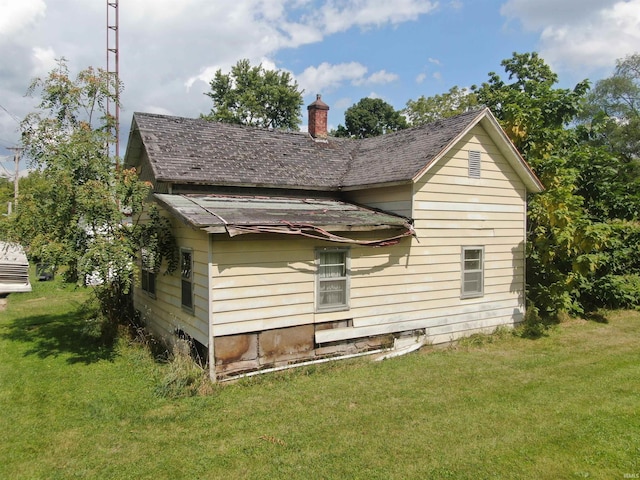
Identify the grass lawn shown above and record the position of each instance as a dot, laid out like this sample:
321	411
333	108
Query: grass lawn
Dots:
563	406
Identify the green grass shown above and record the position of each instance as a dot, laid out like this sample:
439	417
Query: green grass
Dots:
566	405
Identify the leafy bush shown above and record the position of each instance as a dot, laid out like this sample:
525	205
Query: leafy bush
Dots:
618	291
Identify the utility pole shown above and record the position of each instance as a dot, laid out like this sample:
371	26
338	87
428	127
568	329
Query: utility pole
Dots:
17	152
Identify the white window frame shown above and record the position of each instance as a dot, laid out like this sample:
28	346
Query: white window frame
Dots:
475	164
186	278
147	273
472	267
321	304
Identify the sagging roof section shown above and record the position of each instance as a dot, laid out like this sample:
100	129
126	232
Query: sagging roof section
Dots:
319	218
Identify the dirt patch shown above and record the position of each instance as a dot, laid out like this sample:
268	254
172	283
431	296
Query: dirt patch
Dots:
3	304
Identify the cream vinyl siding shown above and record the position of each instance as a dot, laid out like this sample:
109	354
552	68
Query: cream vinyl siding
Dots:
261	282
164	313
451	210
395	199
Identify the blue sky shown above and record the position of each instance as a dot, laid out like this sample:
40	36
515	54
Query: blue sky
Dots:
343	49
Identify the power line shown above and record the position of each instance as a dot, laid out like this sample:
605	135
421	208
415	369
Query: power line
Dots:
16	119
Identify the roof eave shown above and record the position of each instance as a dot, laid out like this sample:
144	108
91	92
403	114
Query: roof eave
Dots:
174	182
395	183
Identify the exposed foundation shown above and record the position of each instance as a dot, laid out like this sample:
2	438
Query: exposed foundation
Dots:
242	353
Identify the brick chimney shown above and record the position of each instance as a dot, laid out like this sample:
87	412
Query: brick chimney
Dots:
318	118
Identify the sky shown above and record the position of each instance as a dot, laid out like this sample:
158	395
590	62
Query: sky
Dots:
345	50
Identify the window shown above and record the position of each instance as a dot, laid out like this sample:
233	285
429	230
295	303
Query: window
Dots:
472	272
474	164
186	274
148	273
333	279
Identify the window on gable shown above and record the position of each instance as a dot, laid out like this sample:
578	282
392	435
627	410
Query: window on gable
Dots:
332	285
148	272
472	272
186	274
474	164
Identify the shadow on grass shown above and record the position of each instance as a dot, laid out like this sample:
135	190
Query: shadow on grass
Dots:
597	316
54	335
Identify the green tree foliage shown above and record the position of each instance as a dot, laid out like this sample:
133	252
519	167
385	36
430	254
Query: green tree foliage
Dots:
565	245
77	210
255	96
532	110
584	240
429	109
370	117
610	130
6	194
612	109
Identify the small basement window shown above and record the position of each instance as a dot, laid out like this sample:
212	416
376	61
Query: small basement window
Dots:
332	285
474	164
186	274
472	272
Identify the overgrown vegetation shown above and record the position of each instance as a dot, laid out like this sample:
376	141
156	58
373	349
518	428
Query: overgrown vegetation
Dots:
78	211
562	406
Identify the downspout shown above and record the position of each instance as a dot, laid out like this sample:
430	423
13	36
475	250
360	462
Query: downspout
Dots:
303	364
212	357
524	255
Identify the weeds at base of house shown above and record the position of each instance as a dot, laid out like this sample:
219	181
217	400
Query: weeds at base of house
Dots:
183	377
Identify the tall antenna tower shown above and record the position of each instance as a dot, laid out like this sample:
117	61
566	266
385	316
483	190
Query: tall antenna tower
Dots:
113	72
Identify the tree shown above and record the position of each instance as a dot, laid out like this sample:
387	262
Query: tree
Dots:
612	109
370	117
255	96
73	212
533	112
429	109
565	245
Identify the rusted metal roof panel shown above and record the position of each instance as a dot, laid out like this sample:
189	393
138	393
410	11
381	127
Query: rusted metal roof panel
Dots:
311	217
213	209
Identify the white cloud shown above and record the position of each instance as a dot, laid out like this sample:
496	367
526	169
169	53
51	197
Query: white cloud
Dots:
17	15
378	78
435	61
421	77
157	110
338	16
327	77
343	103
583	35
437	75
538	14
44	60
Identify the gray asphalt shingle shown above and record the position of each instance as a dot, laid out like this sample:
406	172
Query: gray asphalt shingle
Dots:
184	150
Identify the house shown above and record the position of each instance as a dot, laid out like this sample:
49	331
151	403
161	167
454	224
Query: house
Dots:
14	269
296	247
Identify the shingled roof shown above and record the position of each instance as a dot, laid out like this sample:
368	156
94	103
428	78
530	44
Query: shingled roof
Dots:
195	151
